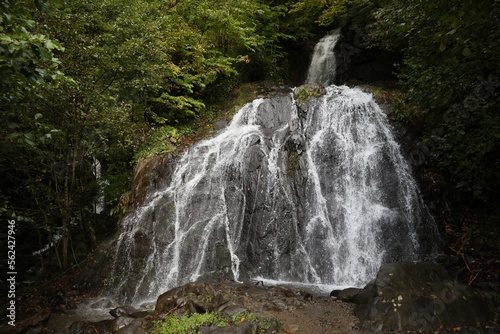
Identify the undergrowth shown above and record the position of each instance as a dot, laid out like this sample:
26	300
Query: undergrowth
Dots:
304	92
162	140
188	324
191	324
168	138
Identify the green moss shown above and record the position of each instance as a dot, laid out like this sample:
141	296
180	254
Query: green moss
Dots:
263	323
301	94
304	92
188	324
191	324
293	163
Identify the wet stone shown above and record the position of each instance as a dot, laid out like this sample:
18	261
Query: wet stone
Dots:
420	296
123	311
135	327
247	327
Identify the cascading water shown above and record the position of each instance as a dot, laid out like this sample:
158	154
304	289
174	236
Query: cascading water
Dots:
323	65
311	192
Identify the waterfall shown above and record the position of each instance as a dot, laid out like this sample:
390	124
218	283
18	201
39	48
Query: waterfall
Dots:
97	171
312	192
323	65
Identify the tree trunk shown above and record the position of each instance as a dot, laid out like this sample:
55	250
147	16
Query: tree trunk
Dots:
65	246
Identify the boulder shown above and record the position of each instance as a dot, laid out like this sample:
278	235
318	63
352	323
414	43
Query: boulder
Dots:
420	296
347	295
247	327
125	310
198	296
86	327
135	327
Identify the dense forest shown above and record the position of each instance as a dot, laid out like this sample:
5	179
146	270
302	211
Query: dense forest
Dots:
88	88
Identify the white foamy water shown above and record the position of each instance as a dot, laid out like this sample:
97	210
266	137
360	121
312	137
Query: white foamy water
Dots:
314	195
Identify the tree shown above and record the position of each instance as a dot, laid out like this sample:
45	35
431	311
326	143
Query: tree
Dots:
328	13
27	58
450	72
130	67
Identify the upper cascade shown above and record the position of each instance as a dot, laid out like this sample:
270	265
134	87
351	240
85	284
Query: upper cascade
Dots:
322	69
314	192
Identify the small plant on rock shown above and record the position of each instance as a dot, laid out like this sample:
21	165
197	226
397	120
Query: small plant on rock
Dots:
188	324
263	323
302	93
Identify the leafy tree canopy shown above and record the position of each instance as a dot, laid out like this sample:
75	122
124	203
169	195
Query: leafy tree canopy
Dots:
450	71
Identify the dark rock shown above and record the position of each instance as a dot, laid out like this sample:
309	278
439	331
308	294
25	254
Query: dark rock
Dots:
247	327
57	301
420	296
197	294
335	293
255	157
140	314
447	261
124	311
86	327
135	327
233	310
79	327
33	324
348	295
120	323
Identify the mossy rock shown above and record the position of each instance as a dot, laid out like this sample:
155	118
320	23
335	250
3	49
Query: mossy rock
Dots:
304	92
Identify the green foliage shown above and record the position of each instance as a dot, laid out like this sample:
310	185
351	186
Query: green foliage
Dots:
187	324
293	163
137	74
450	72
467	150
305	14
446	47
263	323
27	57
190	324
352	13
304	92
163	140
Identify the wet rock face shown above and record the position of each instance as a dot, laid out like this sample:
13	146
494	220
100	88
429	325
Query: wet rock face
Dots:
282	194
420	296
150	174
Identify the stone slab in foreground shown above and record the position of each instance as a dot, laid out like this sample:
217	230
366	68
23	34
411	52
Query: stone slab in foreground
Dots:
421	296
